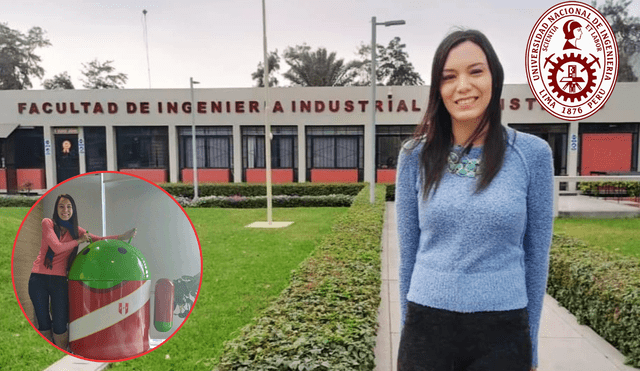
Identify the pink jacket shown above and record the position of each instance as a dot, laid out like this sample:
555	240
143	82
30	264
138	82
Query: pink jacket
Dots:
61	247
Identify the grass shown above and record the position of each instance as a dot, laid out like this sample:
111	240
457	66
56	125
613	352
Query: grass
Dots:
21	348
244	269
616	235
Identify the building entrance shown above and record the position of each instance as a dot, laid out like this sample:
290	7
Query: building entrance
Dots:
67	160
556	135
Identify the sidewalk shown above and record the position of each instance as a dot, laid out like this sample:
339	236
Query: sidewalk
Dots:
71	363
564	345
591	207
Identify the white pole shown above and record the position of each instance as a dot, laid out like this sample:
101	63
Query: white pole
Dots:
146	44
372	173
104	205
372	160
267	127
193	142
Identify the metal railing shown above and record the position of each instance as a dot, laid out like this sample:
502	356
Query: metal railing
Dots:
597	178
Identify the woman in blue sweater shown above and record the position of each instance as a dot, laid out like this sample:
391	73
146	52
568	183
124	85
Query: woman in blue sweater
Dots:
474	205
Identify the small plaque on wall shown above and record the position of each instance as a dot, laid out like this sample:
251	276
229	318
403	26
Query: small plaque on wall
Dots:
65	131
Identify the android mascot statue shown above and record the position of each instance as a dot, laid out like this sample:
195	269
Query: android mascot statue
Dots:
109	302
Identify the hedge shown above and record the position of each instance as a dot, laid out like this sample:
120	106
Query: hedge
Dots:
251	190
240	202
17	201
391	192
327	318
602	289
627	189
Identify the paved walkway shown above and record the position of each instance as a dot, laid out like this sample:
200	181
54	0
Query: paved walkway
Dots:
564	345
71	363
591	207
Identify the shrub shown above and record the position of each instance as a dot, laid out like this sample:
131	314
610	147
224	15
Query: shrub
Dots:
602	289
251	190
241	202
327	318
17	201
391	192
627	189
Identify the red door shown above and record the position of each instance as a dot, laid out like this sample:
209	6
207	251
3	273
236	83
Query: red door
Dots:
606	152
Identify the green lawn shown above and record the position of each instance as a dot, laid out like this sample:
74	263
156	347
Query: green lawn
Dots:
617	235
244	269
21	348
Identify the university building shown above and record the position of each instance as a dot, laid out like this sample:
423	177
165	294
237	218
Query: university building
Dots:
319	134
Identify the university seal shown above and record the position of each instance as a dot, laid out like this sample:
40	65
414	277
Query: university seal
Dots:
572	61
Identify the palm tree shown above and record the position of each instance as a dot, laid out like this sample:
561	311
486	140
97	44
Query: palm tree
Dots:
274	65
318	68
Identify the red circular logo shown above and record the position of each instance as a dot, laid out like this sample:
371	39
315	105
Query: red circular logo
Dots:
572	61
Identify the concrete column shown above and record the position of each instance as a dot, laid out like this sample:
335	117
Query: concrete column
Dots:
237	154
369	167
112	160
82	151
302	154
638	169
49	157
173	154
572	156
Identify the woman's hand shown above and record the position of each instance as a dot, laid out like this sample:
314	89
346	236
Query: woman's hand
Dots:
128	234
84	238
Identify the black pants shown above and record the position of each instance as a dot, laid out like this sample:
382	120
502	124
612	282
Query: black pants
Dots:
43	287
439	340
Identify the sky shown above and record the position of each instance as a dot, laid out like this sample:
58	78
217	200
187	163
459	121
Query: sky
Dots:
220	42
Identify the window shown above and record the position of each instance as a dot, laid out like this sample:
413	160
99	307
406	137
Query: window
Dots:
2	151
556	135
142	147
335	147
29	148
284	147
389	140
95	148
214	147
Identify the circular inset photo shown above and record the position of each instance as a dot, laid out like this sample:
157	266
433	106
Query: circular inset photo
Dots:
106	266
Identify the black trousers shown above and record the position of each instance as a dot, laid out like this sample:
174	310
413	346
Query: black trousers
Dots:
440	340
45	287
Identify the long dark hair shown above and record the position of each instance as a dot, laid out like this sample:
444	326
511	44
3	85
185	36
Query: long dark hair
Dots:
436	123
56	228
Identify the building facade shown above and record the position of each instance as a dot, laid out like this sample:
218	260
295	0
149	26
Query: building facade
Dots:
319	134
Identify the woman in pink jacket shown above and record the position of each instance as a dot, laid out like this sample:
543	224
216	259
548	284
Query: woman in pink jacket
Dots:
48	281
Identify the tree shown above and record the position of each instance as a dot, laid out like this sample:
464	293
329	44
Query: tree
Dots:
318	68
274	65
61	81
18	61
392	65
627	31
102	76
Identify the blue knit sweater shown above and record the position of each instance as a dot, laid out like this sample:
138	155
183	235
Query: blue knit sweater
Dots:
467	252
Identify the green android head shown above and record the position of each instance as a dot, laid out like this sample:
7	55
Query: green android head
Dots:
104	264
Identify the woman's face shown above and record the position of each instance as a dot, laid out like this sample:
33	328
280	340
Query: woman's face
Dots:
466	84
65	209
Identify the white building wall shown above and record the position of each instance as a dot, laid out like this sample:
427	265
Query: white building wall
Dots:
149	107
